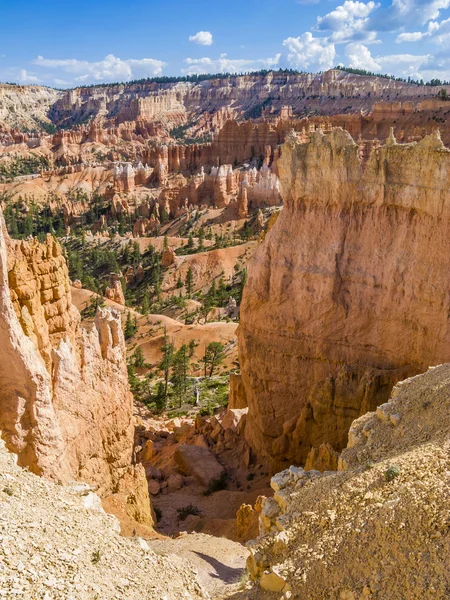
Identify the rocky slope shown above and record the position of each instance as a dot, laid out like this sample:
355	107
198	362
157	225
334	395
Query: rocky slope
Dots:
66	405
379	527
349	292
26	106
56	542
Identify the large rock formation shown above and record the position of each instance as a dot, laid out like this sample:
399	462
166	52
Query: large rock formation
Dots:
377	528
65	404
349	292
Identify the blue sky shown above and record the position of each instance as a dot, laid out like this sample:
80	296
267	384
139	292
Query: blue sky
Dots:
66	44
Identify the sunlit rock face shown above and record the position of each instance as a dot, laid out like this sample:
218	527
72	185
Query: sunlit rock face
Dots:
349	292
65	404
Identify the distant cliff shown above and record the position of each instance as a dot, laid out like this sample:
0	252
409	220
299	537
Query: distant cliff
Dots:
204	106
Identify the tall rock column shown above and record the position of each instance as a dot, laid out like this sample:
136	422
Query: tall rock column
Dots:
348	294
65	405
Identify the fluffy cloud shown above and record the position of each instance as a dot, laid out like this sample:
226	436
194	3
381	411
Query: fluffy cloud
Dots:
349	22
438	33
407	13
228	65
25	77
204	38
309	53
360	57
110	68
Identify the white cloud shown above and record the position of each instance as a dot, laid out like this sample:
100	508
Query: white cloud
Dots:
204	38
25	77
111	68
349	22
360	57
407	13
438	33
228	65
309	53
413	36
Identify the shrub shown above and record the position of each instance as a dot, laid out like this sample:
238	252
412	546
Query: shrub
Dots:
391	473
185	511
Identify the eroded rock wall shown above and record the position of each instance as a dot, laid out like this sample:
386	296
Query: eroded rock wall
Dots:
361	532
65	404
349	292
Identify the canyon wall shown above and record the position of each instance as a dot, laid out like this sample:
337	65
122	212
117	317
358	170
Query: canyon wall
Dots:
66	408
231	97
26	106
349	292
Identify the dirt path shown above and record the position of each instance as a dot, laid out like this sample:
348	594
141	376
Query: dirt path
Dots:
220	562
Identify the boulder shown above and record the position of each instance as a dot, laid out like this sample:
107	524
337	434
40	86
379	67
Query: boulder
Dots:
199	462
154	487
174	482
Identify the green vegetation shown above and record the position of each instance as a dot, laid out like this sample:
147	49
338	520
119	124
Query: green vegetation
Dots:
256	111
391	473
185	511
93	263
217	485
179	133
213	357
365	73
24	218
31	165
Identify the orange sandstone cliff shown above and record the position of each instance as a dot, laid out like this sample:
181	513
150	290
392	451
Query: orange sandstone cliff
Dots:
66	408
348	294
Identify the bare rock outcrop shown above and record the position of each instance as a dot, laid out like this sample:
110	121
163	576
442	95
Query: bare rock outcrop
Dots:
114	291
66	408
349	292
387	507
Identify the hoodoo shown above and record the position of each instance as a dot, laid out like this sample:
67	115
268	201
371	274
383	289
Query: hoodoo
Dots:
348	294
66	407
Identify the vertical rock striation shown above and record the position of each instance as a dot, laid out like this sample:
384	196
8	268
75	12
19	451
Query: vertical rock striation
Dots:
65	404
349	292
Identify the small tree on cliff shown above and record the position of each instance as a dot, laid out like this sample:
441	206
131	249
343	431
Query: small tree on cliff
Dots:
180	369
189	282
138	357
130	327
166	362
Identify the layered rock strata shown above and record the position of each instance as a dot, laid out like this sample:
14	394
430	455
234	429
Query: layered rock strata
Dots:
349	292
387	505
65	404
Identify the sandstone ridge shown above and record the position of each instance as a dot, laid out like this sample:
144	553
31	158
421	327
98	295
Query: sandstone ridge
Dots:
66	405
349	292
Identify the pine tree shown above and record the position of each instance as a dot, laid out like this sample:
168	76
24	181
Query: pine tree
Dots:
213	357
166	362
145	306
190	242
189	282
180	369
138	357
130	327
